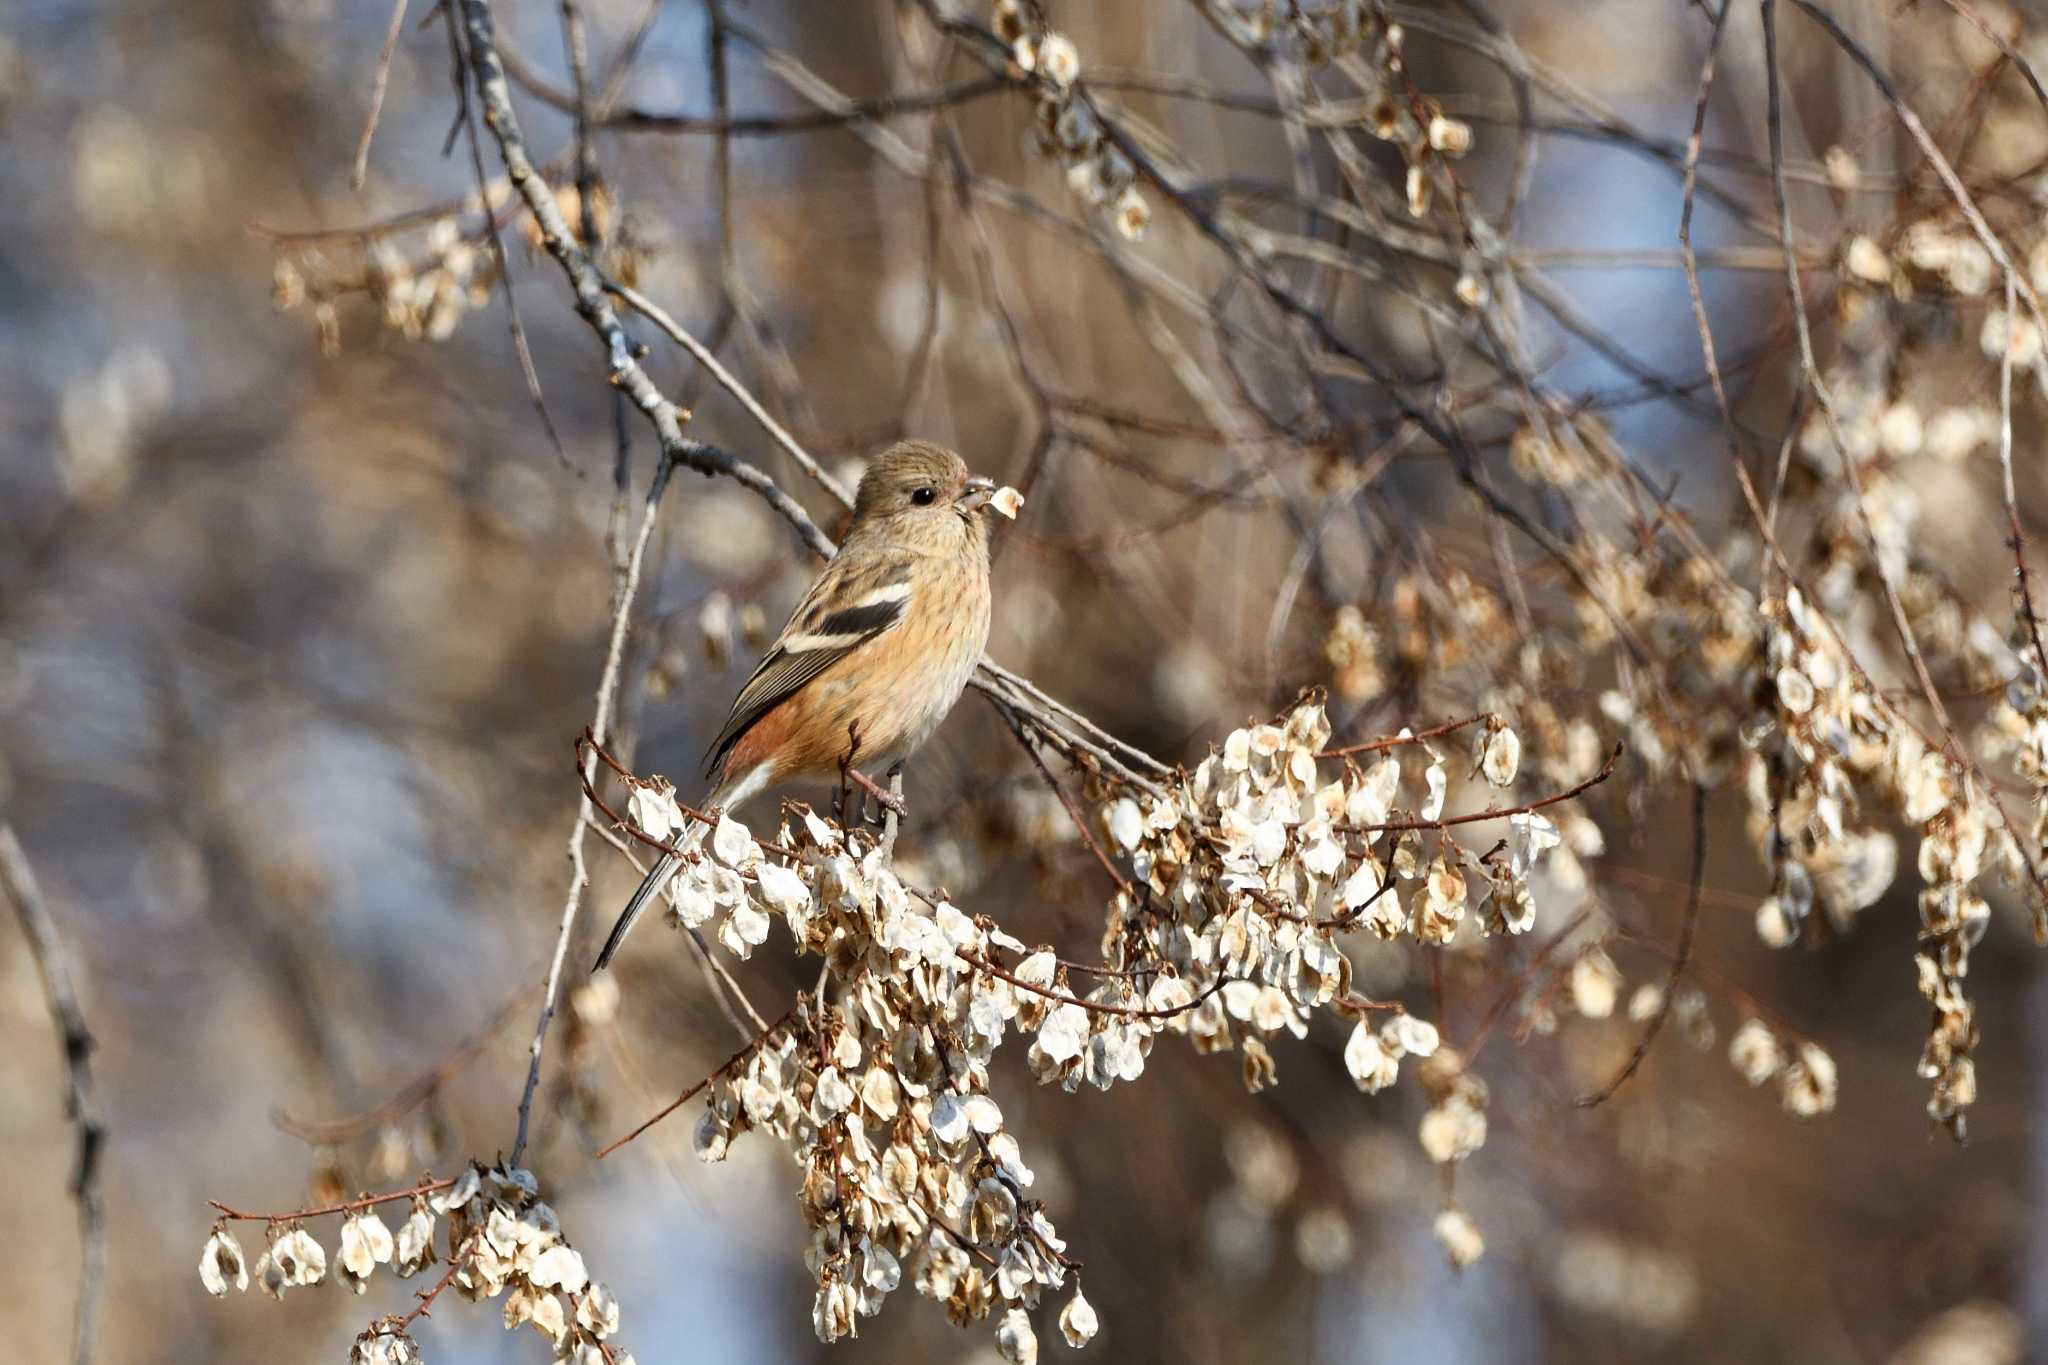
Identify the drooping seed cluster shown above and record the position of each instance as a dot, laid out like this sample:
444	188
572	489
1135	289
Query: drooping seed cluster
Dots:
502	1241
426	290
1834	755
1243	876
1099	172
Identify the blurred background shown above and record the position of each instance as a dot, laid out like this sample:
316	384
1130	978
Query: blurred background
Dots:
300	615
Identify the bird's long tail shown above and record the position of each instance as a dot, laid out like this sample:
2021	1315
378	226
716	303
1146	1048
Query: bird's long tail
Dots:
724	797
650	886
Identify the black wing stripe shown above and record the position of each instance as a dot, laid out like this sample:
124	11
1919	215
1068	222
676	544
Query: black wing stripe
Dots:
862	620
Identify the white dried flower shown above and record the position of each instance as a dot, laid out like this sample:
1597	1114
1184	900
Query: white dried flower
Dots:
298	1258
1452	1130
1900	431
221	1264
1015	1341
783	890
1530	836
415	1246
1596	984
1969	268
1449	136
1954	434
1126	824
732	843
365	1244
2006	334
1132	215
1795	691
715	627
1807	1087
1410	1036
597	1311
561	1267
548	1316
1438	782
1867	261
1064	1032
1842	171
1322	1240
745	929
1754	1052
1371	1065
1059	59
1500	756
653	809
1077	1321
461	1192
833	1095
1417	186
1774	924
1459	1236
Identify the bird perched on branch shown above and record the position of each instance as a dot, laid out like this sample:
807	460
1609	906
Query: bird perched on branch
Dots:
875	654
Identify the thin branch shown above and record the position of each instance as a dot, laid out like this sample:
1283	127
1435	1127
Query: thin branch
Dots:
2012	505
624	590
1688	926
412	1094
1403	826
702	353
982	964
693	1091
1418	737
53	963
467	114
357	1205
361	171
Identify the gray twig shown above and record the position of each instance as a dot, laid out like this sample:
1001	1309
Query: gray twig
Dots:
54	963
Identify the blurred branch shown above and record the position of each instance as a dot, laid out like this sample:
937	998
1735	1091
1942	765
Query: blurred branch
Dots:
361	170
1680	958
703	356
626	587
53	962
467	115
409	1096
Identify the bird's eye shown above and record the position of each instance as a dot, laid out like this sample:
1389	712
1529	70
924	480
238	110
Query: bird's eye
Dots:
923	496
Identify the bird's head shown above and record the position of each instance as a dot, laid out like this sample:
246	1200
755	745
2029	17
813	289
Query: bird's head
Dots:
919	492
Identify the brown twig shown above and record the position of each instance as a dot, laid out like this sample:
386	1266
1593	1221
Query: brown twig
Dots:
1094	1007
693	1091
457	1256
1403	826
1419	737
357	1205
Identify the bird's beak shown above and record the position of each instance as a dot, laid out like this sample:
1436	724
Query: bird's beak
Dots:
976	494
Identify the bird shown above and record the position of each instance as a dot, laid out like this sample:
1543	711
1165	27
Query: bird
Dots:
880	646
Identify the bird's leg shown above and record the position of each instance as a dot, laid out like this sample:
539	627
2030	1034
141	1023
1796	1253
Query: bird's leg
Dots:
847	772
894	818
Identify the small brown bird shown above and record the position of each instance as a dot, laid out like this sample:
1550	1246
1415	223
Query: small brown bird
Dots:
881	645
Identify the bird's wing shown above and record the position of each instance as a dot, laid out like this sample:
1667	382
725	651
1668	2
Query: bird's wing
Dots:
849	605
